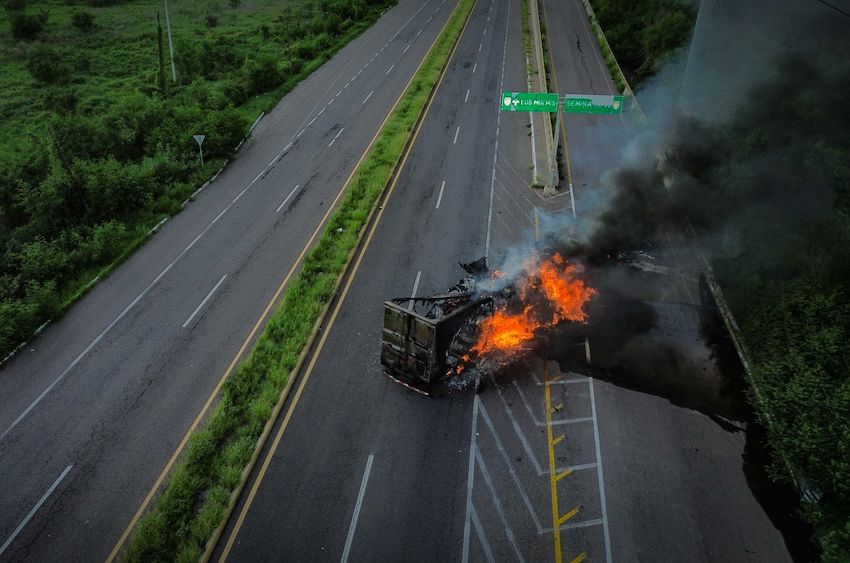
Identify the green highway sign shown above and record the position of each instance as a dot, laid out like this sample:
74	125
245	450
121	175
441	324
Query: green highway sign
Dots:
529	101
591	103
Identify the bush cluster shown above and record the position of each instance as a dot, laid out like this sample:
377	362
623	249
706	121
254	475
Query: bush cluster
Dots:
644	33
81	194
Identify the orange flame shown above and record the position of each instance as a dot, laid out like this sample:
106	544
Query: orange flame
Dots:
554	294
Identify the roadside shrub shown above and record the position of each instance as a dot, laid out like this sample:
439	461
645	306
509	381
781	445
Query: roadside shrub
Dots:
211	20
17	321
27	27
224	131
15	5
84	21
262	74
234	3
47	65
60	100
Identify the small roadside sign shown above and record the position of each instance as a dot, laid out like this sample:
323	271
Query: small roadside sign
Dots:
529	101
200	140
592	103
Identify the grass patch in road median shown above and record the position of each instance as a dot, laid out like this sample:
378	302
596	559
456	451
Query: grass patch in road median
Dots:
196	497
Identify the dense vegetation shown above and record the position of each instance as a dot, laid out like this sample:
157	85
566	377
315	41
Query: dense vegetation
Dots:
196	497
788	178
772	194
96	139
644	33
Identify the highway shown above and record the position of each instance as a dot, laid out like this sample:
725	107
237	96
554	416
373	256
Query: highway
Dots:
92	410
363	469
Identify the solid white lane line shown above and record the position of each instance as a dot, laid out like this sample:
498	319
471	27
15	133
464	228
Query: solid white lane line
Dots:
392	66
312	121
320	112
496	143
204	302
474	68
514	477
367	97
292	193
498	504
470	478
599	476
138	298
405	49
457	131
465	98
440	197
347	550
35	508
415	284
485	544
300	133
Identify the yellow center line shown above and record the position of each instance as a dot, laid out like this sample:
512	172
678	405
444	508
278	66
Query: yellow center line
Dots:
277	439
568	515
553	484
248	339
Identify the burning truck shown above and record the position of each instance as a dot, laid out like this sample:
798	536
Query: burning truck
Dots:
483	324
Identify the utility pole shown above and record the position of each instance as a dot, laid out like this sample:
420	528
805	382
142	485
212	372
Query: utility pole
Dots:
160	77
170	42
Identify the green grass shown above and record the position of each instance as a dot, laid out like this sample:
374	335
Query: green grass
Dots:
118	114
196	497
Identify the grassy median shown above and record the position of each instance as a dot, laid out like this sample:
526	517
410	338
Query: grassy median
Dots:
195	499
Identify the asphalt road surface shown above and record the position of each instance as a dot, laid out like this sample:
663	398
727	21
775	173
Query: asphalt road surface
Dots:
367	470
92	409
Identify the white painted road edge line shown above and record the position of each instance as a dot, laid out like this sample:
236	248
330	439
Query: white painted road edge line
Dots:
470	479
35	508
599	475
496	143
416	284
482	537
204	302
367	97
279	207
456	134
358	504
440	197
132	304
